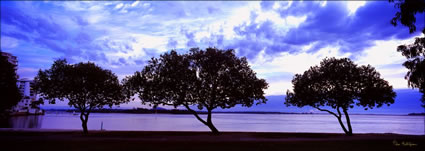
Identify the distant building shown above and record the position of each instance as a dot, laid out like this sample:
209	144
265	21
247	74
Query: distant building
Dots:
25	87
12	59
29	96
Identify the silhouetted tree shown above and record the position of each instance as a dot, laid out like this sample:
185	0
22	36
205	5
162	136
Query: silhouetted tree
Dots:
340	84
9	91
208	79
85	85
415	54
407	12
36	104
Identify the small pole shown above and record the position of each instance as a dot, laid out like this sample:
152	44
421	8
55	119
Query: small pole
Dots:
101	126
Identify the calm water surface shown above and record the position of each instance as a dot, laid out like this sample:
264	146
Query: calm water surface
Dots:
226	122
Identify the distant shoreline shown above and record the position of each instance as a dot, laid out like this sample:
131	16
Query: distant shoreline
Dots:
173	111
176	111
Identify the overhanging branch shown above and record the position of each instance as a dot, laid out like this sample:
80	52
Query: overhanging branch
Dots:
330	112
196	114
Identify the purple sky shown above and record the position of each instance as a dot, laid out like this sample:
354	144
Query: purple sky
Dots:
279	39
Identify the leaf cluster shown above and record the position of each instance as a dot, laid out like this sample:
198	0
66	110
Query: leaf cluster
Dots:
408	10
208	78
340	83
415	55
85	85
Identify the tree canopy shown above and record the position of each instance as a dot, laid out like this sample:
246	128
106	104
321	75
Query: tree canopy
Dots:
340	84
85	85
208	78
415	52
415	55
9	91
407	12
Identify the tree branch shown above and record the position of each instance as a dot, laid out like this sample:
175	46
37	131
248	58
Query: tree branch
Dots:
339	112
167	104
341	123
196	114
347	117
330	112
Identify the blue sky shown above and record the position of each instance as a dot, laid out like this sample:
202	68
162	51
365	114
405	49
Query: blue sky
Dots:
279	39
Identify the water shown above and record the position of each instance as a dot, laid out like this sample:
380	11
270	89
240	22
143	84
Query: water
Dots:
316	123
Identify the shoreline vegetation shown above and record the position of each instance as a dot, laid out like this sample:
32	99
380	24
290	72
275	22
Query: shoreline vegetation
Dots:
147	140
178	111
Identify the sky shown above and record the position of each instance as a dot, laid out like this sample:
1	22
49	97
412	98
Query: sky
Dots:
279	39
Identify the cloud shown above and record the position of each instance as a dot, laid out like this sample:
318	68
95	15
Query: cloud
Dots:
120	5
354	5
80	21
122	61
190	39
279	38
78	37
267	5
279	69
25	72
387	61
8	42
40	30
363	34
172	43
139	62
213	10
331	24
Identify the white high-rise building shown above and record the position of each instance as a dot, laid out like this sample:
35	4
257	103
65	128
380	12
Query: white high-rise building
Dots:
25	87
28	95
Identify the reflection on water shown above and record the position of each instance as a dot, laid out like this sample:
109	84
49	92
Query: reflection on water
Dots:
30	121
316	123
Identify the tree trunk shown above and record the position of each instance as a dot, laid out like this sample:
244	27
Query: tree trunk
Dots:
350	130
214	130
84	119
208	122
342	125
84	124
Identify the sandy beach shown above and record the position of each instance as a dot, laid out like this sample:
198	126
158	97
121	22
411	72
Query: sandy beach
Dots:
144	140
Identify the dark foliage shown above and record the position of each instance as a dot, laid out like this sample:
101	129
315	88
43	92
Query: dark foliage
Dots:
36	104
340	84
407	12
415	55
208	78
85	85
9	91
